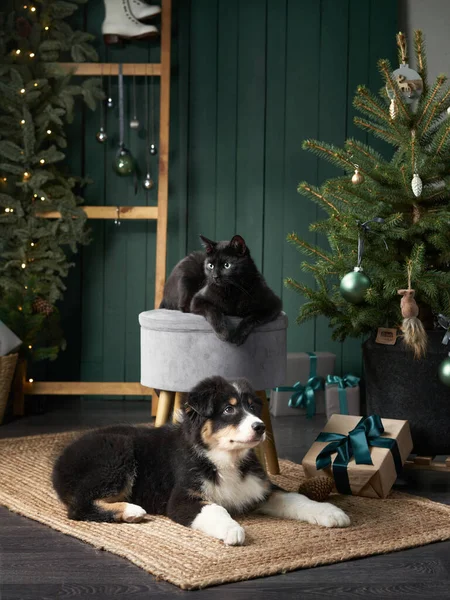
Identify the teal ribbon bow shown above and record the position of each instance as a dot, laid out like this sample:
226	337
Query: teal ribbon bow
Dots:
303	396
367	433
342	383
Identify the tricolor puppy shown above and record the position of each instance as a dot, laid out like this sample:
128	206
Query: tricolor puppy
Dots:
200	473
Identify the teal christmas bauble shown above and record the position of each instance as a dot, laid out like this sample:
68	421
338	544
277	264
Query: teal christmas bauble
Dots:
444	371
354	286
124	163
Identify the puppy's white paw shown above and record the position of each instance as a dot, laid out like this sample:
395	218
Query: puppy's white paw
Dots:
133	513
234	535
214	520
328	515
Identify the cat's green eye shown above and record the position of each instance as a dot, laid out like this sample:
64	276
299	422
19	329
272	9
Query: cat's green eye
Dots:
210	266
226	265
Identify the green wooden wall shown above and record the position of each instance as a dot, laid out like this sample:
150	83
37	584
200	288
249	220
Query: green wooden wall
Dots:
251	80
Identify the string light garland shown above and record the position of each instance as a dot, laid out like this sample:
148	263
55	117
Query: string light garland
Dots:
33	9
18	51
22	122
32	55
42	161
49	131
22	91
23	265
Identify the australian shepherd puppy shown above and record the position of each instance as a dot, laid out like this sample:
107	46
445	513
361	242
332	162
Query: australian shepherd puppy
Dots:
200	473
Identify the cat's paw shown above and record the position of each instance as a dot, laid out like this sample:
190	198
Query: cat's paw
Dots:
224	335
238	337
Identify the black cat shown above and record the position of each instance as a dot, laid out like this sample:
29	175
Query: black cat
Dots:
222	281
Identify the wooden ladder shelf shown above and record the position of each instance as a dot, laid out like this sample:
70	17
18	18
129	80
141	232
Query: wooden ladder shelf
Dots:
157	213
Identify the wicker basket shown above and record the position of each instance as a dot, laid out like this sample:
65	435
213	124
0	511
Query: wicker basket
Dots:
7	368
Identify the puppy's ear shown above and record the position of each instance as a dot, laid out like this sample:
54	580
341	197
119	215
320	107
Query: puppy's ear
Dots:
208	245
200	403
238	243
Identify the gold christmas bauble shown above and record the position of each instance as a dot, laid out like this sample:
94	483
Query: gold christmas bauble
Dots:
357	177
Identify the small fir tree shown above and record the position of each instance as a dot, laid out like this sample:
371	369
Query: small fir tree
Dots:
37	101
414	237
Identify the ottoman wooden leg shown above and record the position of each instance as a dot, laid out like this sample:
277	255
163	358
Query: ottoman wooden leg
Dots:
269	445
179	399
165	403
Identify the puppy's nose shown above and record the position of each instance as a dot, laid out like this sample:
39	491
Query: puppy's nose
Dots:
259	427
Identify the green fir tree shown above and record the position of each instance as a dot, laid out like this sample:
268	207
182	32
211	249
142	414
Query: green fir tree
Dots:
37	101
415	234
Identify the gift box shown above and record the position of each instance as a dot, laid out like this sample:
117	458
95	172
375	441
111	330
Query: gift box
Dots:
9	342
363	455
304	386
342	395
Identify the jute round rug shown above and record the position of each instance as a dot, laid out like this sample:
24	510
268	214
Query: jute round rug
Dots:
192	560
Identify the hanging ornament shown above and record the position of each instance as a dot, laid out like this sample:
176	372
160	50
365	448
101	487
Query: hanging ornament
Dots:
101	135
148	182
109	100
124	161
416	184
134	123
409	81
444	371
153	148
357	177
444	322
414	335
354	285
393	109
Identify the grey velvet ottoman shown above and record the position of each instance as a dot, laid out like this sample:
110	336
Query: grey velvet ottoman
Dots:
180	349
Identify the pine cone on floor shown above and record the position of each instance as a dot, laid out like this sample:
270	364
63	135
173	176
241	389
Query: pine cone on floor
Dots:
317	488
43	306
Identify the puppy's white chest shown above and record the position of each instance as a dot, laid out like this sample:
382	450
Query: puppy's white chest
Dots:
234	492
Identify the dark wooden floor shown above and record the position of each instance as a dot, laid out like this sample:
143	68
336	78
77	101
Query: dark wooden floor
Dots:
39	563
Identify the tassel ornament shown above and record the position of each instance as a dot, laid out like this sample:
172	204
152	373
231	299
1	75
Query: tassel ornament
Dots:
414	334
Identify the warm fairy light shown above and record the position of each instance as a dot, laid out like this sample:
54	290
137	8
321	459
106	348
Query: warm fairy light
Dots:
42	198
32	244
23	265
31	379
32	54
19	307
46	28
49	131
35	195
29	347
5	179
11	210
22	122
42	161
6	209
35	84
22	91
33	9
18	51
26	287
26	175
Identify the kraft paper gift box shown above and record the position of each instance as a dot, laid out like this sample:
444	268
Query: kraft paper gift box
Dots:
300	368
342	395
363	455
9	342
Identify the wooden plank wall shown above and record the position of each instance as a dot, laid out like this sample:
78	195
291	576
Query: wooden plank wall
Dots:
251	80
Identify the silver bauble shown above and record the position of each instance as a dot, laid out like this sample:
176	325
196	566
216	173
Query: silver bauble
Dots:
153	149
134	123
101	135
148	182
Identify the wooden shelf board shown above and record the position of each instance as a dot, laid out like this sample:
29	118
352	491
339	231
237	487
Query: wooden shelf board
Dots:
100	69
86	388
110	212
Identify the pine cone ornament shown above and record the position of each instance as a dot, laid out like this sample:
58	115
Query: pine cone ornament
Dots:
317	488
43	306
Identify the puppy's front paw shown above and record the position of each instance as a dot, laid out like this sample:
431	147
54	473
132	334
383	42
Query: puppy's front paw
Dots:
328	515
133	513
234	535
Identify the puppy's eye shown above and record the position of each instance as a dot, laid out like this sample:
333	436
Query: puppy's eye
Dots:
229	410
226	265
210	266
251	408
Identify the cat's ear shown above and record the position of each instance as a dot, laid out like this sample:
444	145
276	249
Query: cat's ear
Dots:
208	245
238	243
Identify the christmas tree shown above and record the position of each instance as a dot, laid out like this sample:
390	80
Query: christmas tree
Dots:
391	218
38	99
